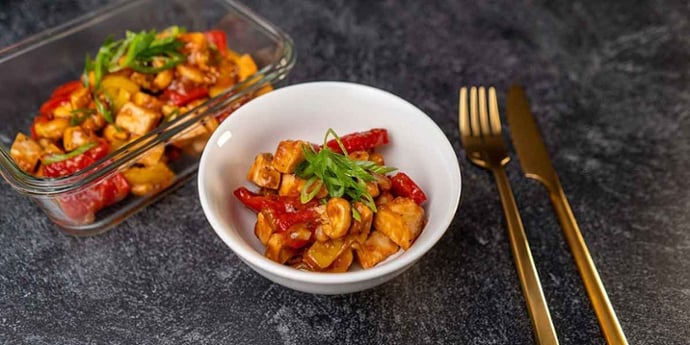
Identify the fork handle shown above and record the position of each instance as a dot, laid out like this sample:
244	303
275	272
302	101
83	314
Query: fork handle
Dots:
597	294
544	332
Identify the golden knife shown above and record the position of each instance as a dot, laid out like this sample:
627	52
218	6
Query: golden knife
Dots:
536	164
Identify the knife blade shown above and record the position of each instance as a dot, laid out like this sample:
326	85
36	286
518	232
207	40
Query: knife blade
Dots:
535	163
528	143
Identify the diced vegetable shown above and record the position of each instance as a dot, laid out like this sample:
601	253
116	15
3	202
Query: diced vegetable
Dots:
247	67
360	141
183	98
149	179
219	40
342	262
81	205
323	254
402	185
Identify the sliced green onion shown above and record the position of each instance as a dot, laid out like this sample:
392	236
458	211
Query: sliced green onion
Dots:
341	175
54	158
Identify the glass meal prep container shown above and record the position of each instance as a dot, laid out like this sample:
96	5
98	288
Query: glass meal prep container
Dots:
32	69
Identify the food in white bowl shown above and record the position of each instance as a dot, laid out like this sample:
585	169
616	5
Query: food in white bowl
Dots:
321	206
306	111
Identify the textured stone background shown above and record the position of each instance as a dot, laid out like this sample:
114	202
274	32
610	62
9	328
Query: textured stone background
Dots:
609	85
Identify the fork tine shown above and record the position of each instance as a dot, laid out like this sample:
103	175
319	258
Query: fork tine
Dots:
494	118
464	116
474	115
483	115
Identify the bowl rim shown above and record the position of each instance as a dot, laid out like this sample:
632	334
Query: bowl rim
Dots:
257	261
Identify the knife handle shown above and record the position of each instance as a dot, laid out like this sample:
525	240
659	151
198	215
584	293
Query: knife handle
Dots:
595	289
544	331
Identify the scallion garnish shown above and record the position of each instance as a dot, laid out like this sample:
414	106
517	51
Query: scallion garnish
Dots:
341	175
79	115
54	158
136	51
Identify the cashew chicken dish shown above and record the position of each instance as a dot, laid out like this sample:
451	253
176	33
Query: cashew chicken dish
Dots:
319	208
131	87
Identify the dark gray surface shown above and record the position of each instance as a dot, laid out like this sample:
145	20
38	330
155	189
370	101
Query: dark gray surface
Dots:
609	87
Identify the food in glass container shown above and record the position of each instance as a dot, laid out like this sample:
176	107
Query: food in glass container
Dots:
131	86
319	208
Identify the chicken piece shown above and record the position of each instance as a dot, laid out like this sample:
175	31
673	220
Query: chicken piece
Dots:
153	156
190	73
201	130
143	80
80	98
277	250
291	185
93	123
377	158
149	179
375	249
163	79
137	120
265	225
288	155
147	101
401	220
262	172
194	41
51	129
63	110
384	182
359	155
49	146
342	263
25	152
76	136
373	189
319	235
361	228
383	199
323	254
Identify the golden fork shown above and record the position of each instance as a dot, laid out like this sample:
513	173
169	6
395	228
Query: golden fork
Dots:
480	131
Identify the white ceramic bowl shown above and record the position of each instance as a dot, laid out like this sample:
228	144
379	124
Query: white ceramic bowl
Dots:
306	111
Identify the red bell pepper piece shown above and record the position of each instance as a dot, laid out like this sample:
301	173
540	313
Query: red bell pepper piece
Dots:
219	39
66	88
402	185
82	205
287	211
360	141
181	98
54	102
60	95
285	220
